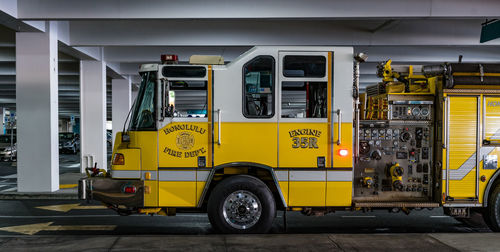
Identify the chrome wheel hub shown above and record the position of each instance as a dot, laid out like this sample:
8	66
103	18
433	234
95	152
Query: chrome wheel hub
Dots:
242	209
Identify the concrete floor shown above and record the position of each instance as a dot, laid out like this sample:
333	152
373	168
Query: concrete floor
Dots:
74	225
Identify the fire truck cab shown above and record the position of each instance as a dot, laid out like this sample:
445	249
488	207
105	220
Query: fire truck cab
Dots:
283	128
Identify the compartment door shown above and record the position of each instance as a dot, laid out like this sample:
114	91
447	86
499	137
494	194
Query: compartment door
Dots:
304	132
462	128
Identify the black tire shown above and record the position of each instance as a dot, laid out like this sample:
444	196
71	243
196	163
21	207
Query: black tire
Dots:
241	183
491	214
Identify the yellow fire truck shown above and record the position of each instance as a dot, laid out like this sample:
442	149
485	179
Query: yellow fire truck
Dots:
286	128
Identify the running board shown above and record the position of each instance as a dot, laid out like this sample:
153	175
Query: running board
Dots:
397	204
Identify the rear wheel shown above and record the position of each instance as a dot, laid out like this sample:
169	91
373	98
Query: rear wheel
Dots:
491	213
241	204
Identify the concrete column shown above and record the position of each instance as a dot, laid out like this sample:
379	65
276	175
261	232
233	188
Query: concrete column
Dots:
121	103
37	110
93	114
2	120
135	91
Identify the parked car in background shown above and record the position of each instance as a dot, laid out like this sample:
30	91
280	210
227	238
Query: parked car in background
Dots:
69	142
8	151
109	137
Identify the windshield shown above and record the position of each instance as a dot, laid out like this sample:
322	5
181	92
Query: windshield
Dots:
143	115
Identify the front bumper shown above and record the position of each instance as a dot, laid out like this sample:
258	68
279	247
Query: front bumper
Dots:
110	191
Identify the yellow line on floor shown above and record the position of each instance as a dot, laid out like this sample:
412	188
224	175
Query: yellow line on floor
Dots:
66	186
31	229
68	207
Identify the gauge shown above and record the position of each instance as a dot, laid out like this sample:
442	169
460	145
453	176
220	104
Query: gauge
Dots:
396	143
371	142
415	111
389	131
377	143
382	131
374	131
424	111
367	131
406	136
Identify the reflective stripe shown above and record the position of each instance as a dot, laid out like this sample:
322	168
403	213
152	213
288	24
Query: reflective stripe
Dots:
202	175
468	165
125	174
307	175
339	175
193	175
177	175
281	175
132	174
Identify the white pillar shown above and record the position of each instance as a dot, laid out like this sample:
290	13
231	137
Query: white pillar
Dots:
93	114
135	91
37	110
2	120
121	103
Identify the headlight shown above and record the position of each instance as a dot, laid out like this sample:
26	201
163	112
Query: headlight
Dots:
67	144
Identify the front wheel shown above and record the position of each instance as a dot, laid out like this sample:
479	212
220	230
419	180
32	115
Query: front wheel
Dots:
491	213
241	204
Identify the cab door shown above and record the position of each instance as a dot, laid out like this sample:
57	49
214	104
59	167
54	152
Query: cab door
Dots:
184	138
245	117
305	124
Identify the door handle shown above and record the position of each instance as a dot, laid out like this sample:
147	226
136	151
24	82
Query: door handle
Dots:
219	120
339	126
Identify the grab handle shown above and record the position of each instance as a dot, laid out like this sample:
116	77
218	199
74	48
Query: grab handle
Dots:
339	126
219	119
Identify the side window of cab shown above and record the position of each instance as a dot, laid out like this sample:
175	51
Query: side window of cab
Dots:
258	87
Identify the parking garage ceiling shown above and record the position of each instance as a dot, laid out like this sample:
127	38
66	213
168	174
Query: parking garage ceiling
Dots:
127	33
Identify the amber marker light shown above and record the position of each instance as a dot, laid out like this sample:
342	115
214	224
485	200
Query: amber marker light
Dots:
118	159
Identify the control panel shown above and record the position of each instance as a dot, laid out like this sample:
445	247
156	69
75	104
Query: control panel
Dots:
410	110
395	159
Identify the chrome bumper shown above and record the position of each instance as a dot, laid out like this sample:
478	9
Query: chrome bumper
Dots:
109	191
